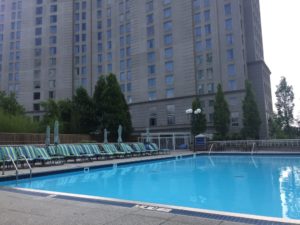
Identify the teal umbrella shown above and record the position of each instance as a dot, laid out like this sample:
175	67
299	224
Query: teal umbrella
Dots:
47	141
56	133
120	134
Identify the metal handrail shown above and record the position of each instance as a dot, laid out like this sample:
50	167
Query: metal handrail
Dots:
28	164
211	147
17	171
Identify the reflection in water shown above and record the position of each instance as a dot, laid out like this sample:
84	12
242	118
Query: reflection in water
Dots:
258	185
289	184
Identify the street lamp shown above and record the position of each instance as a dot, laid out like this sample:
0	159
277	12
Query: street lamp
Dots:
192	112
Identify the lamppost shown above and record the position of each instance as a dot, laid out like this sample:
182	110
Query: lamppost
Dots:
190	113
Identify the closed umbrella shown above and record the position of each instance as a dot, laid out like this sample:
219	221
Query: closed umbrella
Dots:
47	141
120	134
105	136
147	136
56	133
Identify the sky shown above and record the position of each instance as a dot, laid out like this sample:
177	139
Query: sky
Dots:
281	39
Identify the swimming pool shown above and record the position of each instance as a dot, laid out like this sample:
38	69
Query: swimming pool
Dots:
258	185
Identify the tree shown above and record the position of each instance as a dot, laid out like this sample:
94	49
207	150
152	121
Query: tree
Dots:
198	121
221	114
10	105
251	118
83	112
275	130
115	109
98	96
285	104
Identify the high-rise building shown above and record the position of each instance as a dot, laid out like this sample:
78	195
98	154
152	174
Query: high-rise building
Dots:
164	53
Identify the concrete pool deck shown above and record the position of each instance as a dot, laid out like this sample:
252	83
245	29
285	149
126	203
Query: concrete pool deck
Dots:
22	208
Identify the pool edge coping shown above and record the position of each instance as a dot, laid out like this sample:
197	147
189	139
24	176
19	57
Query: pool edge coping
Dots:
177	210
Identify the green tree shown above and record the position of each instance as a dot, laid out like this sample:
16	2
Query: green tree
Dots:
115	109
65	115
221	114
100	90
251	118
198	121
10	105
83	112
275	130
285	105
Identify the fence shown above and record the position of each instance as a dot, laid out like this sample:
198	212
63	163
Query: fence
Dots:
276	145
17	139
170	141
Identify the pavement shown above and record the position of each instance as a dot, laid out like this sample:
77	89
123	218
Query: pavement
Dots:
23	209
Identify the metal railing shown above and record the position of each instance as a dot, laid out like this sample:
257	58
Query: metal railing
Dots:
16	168
285	145
28	164
211	148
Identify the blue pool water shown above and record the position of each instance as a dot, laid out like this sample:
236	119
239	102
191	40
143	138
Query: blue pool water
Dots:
260	185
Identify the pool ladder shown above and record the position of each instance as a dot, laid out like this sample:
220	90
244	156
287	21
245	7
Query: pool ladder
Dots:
211	148
252	149
16	167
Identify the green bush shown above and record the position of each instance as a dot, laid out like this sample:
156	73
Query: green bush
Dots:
17	124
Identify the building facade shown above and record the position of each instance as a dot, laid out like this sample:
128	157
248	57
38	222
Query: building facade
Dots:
164	53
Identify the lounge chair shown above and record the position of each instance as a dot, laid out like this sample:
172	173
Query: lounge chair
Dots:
79	151
111	149
53	153
28	151
94	150
62	149
128	149
43	155
137	148
163	151
10	154
150	148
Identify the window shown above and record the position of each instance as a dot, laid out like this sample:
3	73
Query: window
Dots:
38	41
168	53
232	85
51	95
168	39
38	31
231	70
151	83
199	59
169	67
233	101
210	88
228	25
208	43
151	95
230	55
53	8
36	107
209	73
170	114
150	31
198	32
200	74
151	57
229	39
38	21
197	18
166	2
168	26
196	4
153	120
149	6
52	51
209	58
39	10
167	13
206	3
198	46
227	9
53	19
235	119
150	44
36	95
206	15
36	84
53	29
151	69
201	89
207	28
52	40
170	93
211	103
149	19
169	80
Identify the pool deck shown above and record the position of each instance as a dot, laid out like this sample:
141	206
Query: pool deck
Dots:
26	209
